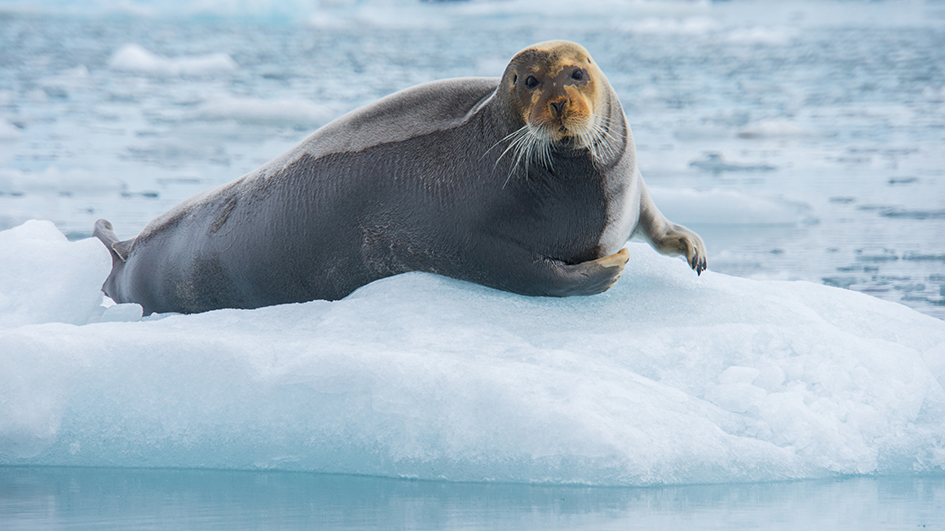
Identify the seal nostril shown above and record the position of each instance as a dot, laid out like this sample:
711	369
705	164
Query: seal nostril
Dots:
558	106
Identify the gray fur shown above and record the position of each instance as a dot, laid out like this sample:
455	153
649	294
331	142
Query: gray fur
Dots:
413	182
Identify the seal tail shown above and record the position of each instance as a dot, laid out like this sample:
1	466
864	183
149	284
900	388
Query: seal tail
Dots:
106	234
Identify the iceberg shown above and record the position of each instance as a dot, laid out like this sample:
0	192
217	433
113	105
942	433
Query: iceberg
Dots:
258	111
136	59
668	378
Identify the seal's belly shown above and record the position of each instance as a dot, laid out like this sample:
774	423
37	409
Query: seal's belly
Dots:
568	231
623	213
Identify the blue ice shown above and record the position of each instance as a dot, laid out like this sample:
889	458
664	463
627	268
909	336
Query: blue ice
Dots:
668	378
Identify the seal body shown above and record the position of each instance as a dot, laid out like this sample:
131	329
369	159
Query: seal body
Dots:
526	183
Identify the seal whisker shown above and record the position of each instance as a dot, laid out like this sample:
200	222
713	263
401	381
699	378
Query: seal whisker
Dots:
486	152
602	141
506	137
542	145
518	136
606	140
522	147
591	141
533	147
606	127
531	144
546	152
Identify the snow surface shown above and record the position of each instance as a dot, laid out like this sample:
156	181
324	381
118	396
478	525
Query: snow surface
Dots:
666	378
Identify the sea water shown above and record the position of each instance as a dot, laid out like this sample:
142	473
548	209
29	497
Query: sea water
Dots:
103	499
803	141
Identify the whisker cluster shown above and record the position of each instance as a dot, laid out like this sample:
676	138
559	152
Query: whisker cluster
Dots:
599	140
533	143
527	144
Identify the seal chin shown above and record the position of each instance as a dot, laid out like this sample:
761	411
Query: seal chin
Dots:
574	139
576	120
566	133
570	143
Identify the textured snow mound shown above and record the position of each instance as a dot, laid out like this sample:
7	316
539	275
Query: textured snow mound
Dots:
666	378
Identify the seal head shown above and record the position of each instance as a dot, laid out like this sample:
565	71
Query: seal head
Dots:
559	98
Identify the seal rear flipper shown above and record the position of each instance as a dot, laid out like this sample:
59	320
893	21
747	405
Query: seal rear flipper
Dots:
106	234
122	249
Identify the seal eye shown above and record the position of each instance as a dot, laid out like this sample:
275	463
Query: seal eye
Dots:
531	82
577	75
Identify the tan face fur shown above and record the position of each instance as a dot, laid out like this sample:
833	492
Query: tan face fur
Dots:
556	88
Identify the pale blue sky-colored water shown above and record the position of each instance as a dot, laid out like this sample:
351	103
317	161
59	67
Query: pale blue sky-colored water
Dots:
106	499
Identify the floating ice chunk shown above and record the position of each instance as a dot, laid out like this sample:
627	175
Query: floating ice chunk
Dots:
135	58
254	110
324	20
876	254
666	378
714	163
934	94
760	35
67	80
54	181
699	132
257	10
403	17
120	313
659	17
727	207
774	129
672	26
47	279
903	213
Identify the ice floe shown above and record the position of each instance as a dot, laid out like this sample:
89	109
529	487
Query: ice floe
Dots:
666	378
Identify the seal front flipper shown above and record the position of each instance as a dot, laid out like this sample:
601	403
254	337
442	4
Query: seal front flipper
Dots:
668	237
678	240
595	276
532	274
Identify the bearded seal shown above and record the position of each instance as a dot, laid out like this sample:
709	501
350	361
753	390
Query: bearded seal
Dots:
527	183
